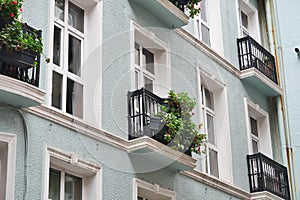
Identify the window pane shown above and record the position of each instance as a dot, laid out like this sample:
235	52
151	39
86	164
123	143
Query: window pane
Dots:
205	34
56	90
213	163
254	146
253	123
148	59
148	84
203	10
137	53
59	9
74	55
209	99
244	20
73	187
74	98
76	17
136	80
54	185
57	46
210	129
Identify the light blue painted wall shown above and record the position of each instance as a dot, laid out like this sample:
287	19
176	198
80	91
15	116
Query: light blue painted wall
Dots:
289	33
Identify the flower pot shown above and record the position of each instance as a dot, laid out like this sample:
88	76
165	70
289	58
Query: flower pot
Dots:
24	59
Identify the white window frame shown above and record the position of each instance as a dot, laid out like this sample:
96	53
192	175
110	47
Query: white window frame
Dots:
221	123
263	126
253	21
199	22
91	60
140	186
9	182
70	163
162	73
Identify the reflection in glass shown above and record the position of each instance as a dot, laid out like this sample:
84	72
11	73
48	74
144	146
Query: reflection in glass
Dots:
56	90
148	60
73	187
74	98
56	46
209	99
137	53
210	129
59	9
213	160
148	84
205	34
54	185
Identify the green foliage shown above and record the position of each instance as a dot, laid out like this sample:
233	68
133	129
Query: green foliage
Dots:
10	9
183	134
193	7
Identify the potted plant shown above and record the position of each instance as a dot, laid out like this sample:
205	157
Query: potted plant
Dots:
17	40
182	133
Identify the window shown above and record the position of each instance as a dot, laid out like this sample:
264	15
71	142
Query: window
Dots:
259	138
202	26
213	110
150	62
147	191
69	177
7	165
248	20
75	54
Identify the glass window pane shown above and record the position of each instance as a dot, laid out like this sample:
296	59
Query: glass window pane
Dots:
148	84
54	185
254	146
203	10
148	58
205	34
244	20
74	98
210	129
57	45
137	53
253	123
59	9
76	17
209	99
74	55
136	80
56	90
213	163
73	187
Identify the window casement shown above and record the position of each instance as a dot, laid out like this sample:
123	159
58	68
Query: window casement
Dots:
7	165
143	190
258	129
207	108
202	24
213	109
150	62
248	20
69	177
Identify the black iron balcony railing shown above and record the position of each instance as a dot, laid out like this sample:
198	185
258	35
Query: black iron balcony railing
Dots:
179	4
251	54
267	175
22	65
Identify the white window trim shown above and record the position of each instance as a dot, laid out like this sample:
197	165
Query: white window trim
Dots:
262	117
11	140
78	167
152	40
155	188
222	130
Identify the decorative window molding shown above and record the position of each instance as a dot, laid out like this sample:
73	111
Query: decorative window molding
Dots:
150	61
212	97
143	190
7	165
259	140
68	164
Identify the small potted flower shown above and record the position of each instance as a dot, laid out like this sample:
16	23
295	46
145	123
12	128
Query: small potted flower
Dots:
182	133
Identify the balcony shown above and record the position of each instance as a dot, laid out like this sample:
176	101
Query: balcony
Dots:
257	66
19	75
146	134
267	175
171	12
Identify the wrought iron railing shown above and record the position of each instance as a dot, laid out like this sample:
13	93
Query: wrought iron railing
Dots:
22	65
251	54
143	106
267	175
179	4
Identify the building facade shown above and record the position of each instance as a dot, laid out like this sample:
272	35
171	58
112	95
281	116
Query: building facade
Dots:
78	126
